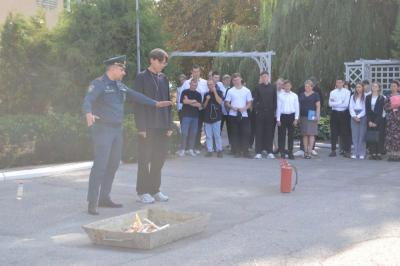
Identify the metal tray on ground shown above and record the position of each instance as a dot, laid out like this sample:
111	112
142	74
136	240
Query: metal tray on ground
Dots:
110	232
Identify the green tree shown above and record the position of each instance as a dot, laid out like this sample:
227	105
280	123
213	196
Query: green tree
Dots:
48	71
25	73
193	25
96	30
316	37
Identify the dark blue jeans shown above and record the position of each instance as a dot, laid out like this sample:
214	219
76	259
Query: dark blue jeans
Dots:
189	131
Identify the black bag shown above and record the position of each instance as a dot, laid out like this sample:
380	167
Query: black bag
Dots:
372	136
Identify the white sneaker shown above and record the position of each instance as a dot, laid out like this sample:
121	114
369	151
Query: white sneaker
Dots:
160	197
146	198
299	153
314	152
270	156
353	157
191	153
258	156
362	157
181	153
197	151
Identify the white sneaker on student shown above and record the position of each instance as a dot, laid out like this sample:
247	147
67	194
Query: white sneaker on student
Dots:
353	157
197	151
362	157
181	153
314	152
146	198
160	197
271	156
299	153
191	153
258	156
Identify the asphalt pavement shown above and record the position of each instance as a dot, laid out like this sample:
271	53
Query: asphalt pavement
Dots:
343	212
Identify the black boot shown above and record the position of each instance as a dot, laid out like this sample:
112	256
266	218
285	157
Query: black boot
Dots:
92	209
109	204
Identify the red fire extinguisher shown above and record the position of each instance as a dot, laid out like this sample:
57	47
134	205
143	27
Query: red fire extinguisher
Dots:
286	177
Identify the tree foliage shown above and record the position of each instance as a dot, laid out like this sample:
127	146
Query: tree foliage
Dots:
98	30
25	73
50	70
316	37
194	25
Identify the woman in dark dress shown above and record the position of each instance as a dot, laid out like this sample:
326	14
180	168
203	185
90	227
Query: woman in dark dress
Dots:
309	116
393	123
374	103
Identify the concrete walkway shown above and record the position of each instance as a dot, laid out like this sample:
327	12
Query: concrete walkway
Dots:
343	212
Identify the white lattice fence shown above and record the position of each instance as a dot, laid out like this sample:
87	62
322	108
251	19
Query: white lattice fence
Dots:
385	74
355	74
382	71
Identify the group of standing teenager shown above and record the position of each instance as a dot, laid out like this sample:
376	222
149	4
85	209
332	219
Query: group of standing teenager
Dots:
363	122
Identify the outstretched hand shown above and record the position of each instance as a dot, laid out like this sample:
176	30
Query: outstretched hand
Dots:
162	104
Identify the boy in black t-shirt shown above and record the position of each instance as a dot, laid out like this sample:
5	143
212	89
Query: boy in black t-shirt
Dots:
191	100
212	118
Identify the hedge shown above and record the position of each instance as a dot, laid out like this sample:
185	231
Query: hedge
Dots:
32	139
58	138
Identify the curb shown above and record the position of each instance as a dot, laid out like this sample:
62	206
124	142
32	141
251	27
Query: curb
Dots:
43	171
58	169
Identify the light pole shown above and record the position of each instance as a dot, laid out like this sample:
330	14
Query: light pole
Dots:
137	37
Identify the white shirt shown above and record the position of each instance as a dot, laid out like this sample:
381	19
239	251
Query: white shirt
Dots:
238	99
357	108
223	90
339	99
373	103
202	87
179	105
288	103
221	85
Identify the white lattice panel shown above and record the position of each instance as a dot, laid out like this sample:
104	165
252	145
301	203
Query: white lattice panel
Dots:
382	71
385	74
355	74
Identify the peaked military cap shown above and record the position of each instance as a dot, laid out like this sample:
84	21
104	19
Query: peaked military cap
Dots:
117	60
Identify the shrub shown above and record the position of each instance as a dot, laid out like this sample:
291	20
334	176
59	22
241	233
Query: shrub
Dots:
58	138
323	129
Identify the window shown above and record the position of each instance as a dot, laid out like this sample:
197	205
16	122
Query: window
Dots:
47	4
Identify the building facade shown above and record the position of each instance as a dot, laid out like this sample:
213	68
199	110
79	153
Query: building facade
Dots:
52	9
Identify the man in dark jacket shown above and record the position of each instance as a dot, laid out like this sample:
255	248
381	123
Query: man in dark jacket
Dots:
104	110
154	127
264	106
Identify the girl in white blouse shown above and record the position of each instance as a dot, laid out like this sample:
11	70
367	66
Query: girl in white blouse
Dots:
358	122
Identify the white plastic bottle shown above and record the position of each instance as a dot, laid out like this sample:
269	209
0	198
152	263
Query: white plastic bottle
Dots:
20	191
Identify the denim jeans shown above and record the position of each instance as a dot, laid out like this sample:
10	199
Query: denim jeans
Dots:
358	131
213	130
188	131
